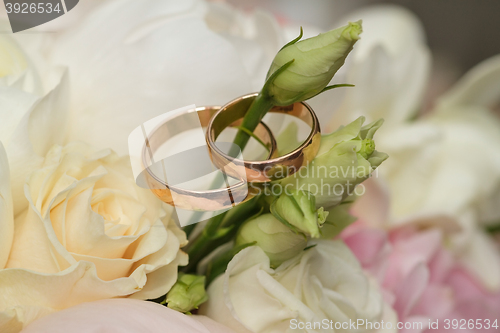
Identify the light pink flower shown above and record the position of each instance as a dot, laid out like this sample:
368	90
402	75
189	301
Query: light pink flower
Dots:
420	278
123	316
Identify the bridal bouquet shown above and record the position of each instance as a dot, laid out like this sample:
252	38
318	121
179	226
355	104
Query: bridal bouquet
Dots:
363	214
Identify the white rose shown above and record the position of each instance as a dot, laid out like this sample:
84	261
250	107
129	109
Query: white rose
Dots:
390	67
444	164
130	61
325	282
89	233
33	107
447	182
444	168
6	210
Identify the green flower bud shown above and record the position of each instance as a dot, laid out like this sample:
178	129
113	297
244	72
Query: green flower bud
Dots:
187	293
303	69
367	148
278	241
297	209
338	219
345	158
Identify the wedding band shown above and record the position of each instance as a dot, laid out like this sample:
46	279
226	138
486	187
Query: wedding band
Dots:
273	168
209	200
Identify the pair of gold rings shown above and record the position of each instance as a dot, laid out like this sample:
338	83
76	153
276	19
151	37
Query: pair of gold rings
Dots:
216	119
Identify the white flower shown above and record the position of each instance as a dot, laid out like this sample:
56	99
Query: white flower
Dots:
33	105
427	171
130	61
324	282
6	210
389	66
445	169
89	233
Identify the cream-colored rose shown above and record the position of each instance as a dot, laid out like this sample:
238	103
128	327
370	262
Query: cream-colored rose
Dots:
33	107
6	210
325	282
89	233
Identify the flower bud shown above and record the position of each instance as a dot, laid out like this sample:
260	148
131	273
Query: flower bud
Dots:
338	219
345	158
297	209
303	69
278	241
187	293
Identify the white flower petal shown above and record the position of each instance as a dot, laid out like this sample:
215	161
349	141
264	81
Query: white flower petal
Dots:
6	210
34	295
390	66
394	27
325	282
47	121
482	259
37	124
479	87
32	248
149	60
123	316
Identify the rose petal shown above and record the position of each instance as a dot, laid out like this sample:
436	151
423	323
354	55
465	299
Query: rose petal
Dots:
483	260
138	56
409	291
480	86
32	248
33	295
6	209
390	57
123	316
42	125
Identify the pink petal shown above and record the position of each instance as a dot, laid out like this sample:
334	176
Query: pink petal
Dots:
123	316
410	290
371	247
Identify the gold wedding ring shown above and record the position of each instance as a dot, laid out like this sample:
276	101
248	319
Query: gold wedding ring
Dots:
209	200
273	168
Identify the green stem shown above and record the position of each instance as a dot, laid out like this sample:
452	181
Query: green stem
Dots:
196	252
258	109
204	243
256	112
189	229
211	237
253	136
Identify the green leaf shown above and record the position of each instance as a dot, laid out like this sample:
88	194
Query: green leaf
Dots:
333	86
310	247
295	40
273	76
282	220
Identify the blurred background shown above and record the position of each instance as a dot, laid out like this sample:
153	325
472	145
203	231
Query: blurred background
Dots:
449	24
460	33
